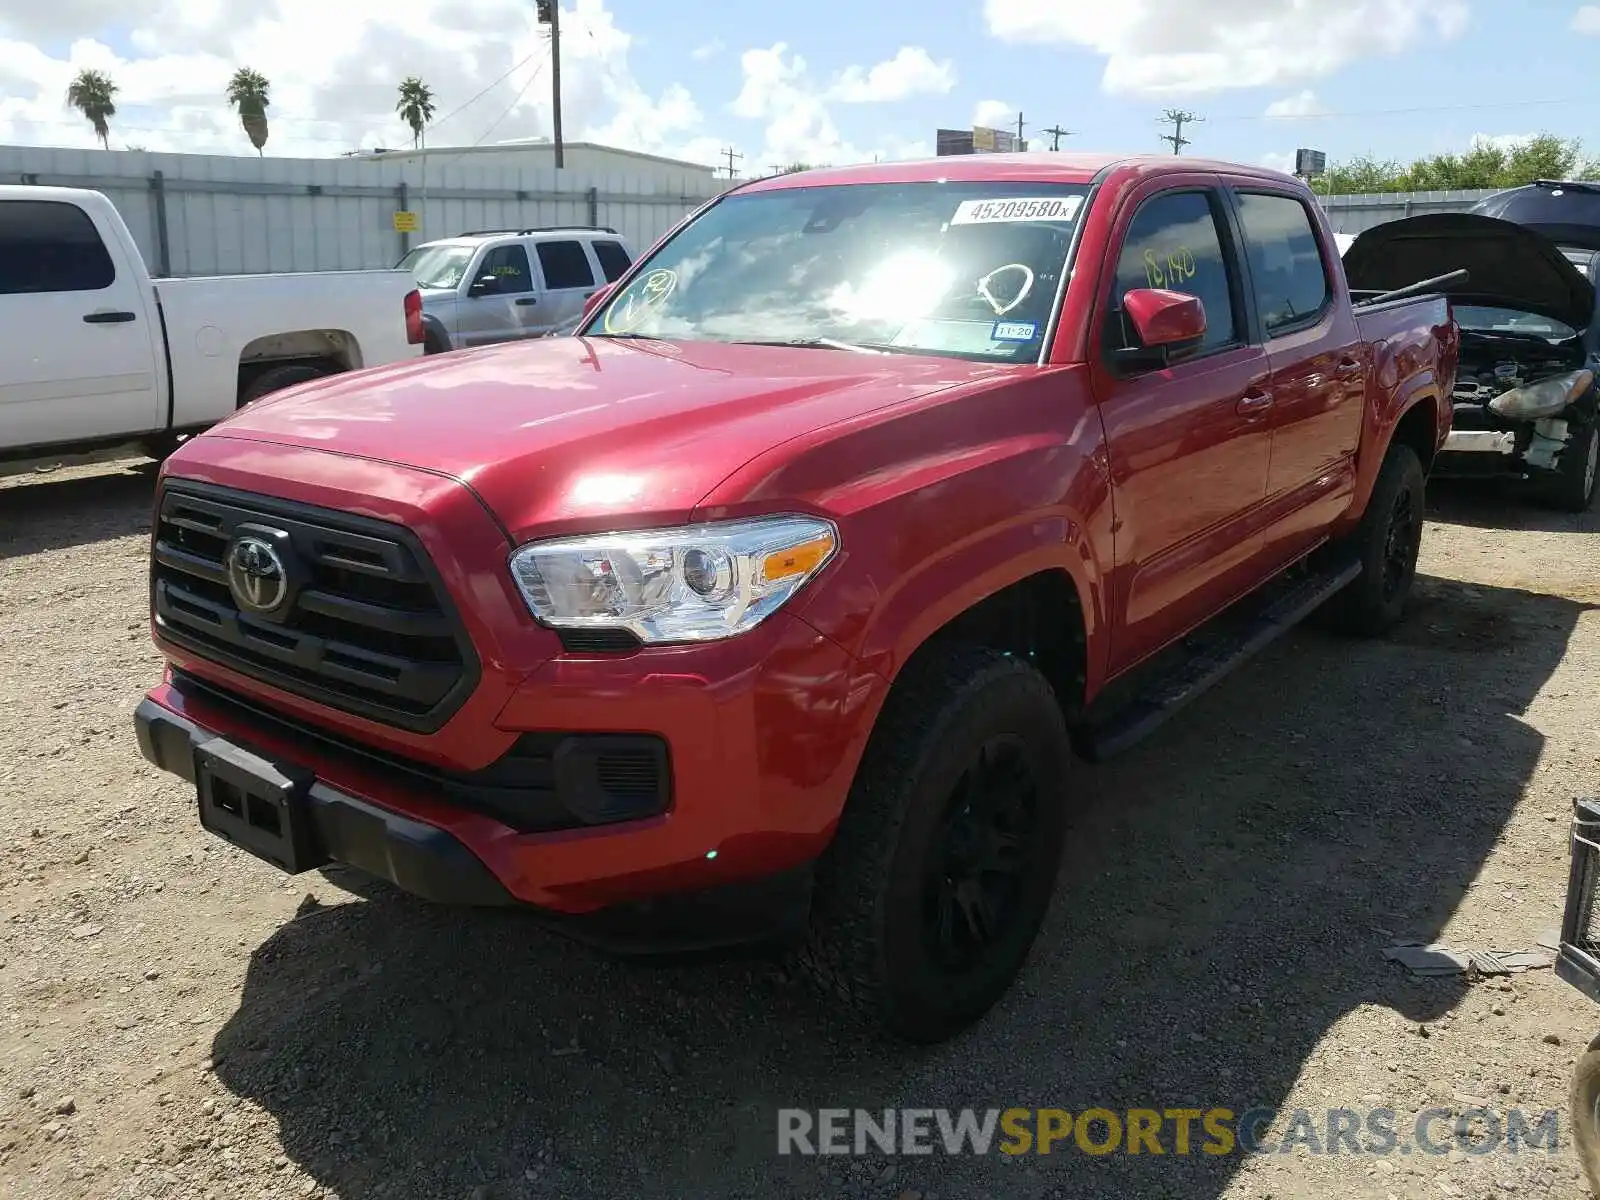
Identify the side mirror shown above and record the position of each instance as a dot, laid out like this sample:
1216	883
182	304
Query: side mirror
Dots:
483	285
1168	326
596	299
1594	268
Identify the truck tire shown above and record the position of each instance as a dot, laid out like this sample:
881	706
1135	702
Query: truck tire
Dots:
1387	542
941	871
1584	1112
275	379
1574	487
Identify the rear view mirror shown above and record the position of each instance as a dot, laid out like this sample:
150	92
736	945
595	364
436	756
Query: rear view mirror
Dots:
1166	324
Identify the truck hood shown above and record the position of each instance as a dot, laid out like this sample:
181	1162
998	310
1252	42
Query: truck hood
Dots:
567	434
1509	266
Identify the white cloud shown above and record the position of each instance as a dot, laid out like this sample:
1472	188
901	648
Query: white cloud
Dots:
335	91
1161	47
1505	142
1587	20
779	90
1274	161
911	72
1305	104
708	51
993	114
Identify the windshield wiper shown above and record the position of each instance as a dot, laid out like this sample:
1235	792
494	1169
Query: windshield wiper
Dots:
813	342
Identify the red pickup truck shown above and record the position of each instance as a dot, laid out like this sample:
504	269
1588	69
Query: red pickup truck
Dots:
778	599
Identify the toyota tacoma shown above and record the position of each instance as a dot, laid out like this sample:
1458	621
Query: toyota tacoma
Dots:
780	599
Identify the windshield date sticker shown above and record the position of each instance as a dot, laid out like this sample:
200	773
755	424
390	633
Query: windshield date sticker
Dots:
1023	208
650	294
1014	331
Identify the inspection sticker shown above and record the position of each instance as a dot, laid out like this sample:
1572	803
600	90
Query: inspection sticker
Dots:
1013	331
1022	208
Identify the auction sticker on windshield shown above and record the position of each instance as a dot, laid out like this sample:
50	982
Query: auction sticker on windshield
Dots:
1021	208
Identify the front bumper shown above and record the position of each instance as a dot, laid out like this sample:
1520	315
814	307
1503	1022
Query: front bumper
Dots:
1481	445
434	864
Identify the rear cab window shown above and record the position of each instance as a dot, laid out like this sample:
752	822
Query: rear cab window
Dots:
612	257
1174	242
565	265
1286	269
50	246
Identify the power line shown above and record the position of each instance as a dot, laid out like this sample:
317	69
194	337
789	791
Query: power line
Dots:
1056	134
1178	118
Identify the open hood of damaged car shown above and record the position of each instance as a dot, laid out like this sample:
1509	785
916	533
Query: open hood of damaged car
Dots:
1509	266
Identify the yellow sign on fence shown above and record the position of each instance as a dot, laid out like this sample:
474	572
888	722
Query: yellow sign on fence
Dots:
405	222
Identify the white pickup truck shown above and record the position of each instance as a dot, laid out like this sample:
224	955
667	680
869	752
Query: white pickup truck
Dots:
96	356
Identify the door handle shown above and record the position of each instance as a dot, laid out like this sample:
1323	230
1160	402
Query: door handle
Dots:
1348	366
109	318
1253	403
526	301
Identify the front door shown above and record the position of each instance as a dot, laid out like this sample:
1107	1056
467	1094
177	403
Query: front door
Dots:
1188	444
500	298
78	360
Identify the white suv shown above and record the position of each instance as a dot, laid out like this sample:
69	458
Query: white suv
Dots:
500	285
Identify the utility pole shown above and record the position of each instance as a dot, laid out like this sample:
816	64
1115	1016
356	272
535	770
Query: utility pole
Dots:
1019	131
1056	134
1178	118
730	154
550	14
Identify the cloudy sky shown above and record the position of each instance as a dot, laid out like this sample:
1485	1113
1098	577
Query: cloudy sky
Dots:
826	81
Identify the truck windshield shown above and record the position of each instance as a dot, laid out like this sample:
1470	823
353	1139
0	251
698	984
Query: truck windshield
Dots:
1509	320
438	266
968	270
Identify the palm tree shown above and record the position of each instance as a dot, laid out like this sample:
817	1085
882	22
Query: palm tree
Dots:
94	95
415	107
248	93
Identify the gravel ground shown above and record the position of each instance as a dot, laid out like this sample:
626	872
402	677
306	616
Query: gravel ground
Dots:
178	1020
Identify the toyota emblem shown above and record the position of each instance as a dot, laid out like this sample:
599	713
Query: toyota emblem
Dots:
257	575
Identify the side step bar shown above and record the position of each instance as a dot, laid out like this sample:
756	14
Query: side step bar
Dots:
1191	677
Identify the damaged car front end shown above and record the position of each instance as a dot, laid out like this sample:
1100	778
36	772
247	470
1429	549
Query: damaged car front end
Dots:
1525	400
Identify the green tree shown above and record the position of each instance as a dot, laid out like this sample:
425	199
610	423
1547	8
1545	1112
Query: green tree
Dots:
94	95
249	94
415	107
1484	164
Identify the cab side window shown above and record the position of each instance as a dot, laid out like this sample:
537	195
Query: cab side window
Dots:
48	246
1174	243
1286	270
509	267
565	265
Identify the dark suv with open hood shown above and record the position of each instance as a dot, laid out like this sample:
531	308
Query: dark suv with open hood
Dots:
1525	394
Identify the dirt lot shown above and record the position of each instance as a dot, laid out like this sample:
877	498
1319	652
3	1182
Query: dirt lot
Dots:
177	1019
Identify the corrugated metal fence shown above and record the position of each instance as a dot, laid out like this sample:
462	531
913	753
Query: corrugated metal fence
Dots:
1352	214
197	214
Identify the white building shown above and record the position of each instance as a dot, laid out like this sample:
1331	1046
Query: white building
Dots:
589	157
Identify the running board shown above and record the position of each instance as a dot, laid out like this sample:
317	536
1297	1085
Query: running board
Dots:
1192	676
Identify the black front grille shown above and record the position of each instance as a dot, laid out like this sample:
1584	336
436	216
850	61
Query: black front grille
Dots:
369	628
545	782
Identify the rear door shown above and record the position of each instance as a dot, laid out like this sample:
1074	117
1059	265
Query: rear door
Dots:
78	354
1188	443
1317	383
569	280
499	298
613	258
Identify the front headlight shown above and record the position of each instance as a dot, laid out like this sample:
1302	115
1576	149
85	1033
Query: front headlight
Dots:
692	584
1542	399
